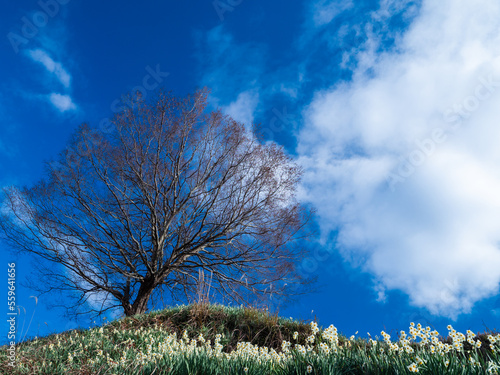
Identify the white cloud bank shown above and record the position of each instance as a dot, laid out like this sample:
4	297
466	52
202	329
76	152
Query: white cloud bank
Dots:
405	161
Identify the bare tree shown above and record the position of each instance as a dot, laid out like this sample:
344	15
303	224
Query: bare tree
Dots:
173	191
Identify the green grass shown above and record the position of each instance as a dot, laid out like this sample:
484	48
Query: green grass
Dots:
215	339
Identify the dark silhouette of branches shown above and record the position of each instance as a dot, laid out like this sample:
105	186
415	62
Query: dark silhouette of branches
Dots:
172	192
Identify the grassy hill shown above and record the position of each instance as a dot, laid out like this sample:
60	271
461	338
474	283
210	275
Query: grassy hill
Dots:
215	339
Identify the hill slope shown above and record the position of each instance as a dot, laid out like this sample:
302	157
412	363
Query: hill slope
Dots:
215	339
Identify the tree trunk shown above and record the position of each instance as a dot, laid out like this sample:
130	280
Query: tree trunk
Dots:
140	304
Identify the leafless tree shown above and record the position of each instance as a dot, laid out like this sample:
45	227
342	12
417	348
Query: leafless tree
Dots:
172	191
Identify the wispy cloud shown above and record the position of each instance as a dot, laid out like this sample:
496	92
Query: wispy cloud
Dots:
435	235
324	11
62	102
68	248
220	61
52	66
243	108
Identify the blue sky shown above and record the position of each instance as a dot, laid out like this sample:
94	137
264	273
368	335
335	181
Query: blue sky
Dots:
390	106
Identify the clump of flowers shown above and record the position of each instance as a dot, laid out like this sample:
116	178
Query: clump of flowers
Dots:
415	350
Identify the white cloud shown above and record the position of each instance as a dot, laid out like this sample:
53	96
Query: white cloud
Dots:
96	300
324	11
243	108
434	234
62	102
220	60
53	67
